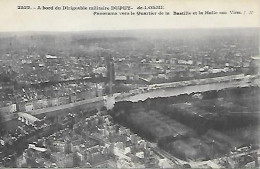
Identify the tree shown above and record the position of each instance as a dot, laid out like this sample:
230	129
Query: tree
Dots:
2	126
76	160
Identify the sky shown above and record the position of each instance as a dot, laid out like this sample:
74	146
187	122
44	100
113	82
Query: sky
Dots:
13	19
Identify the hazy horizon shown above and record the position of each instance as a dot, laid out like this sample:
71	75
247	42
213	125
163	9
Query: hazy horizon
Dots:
141	32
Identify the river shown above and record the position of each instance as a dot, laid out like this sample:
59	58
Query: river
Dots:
175	91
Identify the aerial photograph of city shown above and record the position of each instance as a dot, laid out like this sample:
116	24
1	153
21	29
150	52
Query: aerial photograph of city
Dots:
162	98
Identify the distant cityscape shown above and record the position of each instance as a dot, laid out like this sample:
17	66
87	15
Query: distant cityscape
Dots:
118	99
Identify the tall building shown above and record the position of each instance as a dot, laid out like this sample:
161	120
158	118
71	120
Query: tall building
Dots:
110	72
110	100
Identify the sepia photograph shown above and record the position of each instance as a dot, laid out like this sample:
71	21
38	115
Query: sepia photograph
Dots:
141	84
